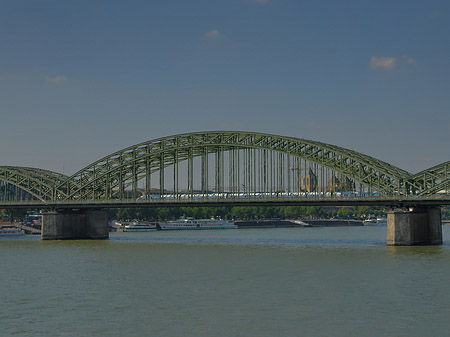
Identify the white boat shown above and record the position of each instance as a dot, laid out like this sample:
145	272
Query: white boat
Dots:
139	227
187	223
179	224
216	224
375	222
11	232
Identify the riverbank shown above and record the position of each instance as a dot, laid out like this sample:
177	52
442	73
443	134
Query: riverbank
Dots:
27	229
297	223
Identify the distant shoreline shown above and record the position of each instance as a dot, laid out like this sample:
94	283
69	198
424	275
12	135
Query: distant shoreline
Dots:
299	223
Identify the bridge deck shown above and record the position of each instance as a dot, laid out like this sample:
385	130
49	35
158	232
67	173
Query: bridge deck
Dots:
342	201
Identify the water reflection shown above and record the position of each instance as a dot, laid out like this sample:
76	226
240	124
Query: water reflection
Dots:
415	250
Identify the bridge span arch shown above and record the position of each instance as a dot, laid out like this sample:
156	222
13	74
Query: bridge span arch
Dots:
29	182
233	162
223	164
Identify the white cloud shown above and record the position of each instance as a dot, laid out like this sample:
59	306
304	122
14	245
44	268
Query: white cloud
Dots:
408	60
57	78
382	63
214	34
390	63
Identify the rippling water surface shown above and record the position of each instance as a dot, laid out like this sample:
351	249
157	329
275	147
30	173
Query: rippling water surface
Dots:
247	282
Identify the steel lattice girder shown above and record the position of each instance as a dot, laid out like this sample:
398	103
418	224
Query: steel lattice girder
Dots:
37	182
433	180
107	176
133	162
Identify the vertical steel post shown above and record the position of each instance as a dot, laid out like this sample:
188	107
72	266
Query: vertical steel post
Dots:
207	170
147	172
161	174
248	172
121	187
222	170
174	163
288	163
254	172
265	172
244	172
216	171
203	173
230	172
191	173
134	178
107	181
238	171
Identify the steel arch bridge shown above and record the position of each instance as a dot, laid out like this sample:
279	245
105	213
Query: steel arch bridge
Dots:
224	164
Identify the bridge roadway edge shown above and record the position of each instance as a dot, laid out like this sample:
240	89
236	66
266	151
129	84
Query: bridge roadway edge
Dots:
391	202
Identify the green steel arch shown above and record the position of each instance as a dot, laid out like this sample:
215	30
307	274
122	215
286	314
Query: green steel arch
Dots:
108	177
433	180
36	182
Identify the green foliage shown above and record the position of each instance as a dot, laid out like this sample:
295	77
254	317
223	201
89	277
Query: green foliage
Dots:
239	212
12	214
445	213
362	211
315	212
344	212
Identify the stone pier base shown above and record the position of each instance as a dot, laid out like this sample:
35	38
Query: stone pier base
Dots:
74	225
414	226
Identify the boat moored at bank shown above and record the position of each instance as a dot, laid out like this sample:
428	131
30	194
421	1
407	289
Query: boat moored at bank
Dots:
178	224
139	227
375	222
216	224
11	232
189	223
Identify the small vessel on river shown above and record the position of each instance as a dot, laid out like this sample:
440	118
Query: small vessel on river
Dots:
375	222
139	227
11	232
189	223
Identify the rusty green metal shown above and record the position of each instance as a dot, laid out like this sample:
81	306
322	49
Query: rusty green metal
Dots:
244	163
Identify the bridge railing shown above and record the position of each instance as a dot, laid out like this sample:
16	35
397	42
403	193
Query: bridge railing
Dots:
231	200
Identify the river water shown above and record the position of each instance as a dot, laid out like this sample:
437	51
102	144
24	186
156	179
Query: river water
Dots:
247	282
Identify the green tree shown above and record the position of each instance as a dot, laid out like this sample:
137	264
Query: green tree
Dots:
344	212
313	211
363	211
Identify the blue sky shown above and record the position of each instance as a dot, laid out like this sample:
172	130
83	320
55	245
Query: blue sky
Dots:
82	79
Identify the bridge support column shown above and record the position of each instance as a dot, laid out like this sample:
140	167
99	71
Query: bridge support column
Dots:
414	226
74	225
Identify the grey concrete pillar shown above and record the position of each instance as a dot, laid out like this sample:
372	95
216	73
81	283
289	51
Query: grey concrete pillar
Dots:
414	226
73	225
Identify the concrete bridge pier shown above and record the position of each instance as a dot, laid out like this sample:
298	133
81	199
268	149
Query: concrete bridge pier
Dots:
74	225
414	226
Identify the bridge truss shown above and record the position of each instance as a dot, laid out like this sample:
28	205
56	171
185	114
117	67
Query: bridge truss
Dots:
224	164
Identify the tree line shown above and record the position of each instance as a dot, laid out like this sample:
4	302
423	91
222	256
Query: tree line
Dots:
238	212
247	212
